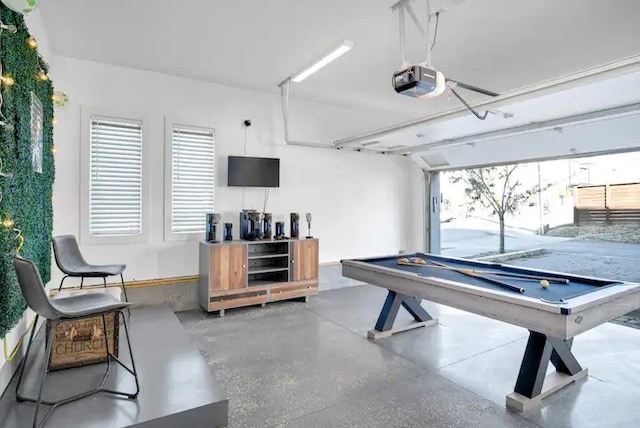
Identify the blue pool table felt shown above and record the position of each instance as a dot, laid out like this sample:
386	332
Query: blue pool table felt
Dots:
555	292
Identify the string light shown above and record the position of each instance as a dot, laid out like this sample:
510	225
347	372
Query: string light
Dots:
8	28
59	98
32	43
42	76
8	222
53	150
54	121
7	80
20	238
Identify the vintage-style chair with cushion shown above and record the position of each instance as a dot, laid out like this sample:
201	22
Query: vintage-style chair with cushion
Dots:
70	261
65	309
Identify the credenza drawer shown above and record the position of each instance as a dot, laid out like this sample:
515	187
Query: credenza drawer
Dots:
294	289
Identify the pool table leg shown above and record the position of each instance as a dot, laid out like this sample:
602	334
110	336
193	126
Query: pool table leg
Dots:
533	384
389	312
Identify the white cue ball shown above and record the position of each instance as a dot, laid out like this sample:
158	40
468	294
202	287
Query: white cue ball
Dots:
544	283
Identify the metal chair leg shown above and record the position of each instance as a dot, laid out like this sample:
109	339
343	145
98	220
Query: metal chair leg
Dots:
62	281
126	298
106	343
81	281
26	357
47	355
133	362
133	371
124	289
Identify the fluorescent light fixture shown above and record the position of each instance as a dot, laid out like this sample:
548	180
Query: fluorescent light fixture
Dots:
327	59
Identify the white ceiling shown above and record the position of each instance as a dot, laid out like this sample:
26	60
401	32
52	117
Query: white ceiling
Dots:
497	44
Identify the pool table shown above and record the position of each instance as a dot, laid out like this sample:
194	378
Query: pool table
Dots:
553	313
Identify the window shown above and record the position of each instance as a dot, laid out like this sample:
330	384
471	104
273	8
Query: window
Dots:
115	182
192	178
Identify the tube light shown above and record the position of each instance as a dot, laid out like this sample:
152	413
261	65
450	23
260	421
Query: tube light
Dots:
324	61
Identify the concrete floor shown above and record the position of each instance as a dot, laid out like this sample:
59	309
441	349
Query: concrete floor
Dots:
310	365
177	387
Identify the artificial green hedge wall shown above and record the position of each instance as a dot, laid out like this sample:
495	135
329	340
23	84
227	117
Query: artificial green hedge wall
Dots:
26	197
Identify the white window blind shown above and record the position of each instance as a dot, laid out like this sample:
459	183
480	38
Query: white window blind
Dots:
192	178
116	178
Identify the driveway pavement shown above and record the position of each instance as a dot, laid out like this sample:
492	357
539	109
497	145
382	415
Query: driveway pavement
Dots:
472	236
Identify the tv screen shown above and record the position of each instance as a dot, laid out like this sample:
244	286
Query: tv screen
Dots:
253	172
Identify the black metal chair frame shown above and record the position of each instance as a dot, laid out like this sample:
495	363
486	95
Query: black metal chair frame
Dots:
104	281
83	275
100	388
48	348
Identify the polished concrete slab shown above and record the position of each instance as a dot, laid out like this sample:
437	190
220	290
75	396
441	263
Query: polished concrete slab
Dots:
310	365
281	362
356	308
177	387
431	347
424	401
610	352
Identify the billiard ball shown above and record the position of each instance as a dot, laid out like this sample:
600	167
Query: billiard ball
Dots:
544	283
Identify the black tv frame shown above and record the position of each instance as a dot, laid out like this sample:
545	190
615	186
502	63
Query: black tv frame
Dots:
253	158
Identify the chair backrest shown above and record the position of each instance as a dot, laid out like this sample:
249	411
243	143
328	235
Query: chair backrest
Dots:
67	253
33	289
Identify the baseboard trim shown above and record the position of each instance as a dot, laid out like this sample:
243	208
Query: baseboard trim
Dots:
143	283
163	281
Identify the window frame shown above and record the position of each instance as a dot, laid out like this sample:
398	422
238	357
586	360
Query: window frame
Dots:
169	124
86	116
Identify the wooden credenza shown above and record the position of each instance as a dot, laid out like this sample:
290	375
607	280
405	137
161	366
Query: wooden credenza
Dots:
245	273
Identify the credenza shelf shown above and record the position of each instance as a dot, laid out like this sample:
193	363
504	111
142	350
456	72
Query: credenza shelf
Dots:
245	273
267	256
267	270
262	283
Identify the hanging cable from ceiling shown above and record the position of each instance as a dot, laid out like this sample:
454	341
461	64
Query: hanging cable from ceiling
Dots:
424	80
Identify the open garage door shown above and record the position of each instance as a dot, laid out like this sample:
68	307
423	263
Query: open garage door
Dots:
592	112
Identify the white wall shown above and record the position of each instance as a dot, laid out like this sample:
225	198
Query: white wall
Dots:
358	200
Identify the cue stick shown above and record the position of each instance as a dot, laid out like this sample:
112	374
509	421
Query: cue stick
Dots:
494	281
513	275
525	276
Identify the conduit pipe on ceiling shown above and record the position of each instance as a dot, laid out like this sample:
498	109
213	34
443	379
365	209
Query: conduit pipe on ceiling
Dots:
284	98
564	82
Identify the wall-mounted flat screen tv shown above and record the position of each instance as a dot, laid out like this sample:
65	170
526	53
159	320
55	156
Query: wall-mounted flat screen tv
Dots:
253	172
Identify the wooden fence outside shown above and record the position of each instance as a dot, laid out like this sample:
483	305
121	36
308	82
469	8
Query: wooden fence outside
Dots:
607	204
